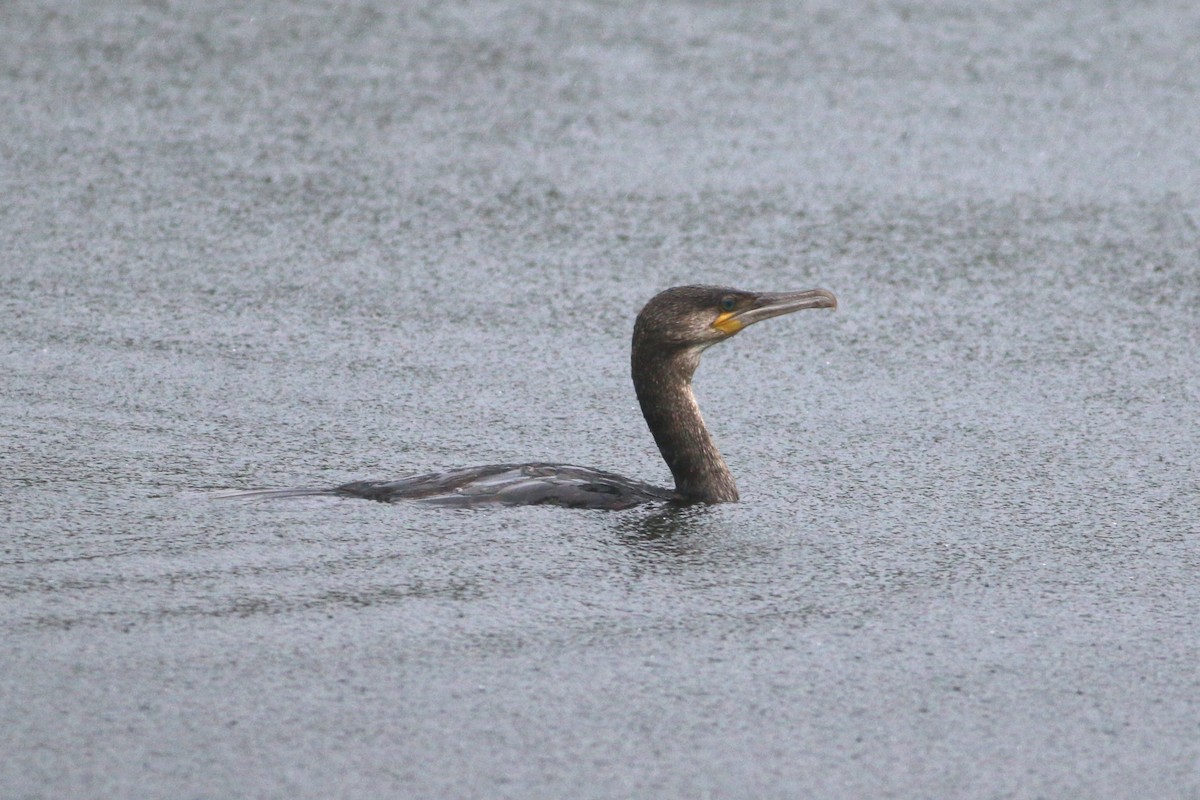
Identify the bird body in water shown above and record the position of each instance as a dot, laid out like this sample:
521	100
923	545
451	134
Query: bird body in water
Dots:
670	333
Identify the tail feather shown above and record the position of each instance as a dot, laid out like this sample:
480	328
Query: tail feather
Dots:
276	494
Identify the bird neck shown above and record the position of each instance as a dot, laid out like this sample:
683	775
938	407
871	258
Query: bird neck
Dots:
664	390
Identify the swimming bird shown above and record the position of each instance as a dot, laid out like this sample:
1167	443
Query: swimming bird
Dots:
670	333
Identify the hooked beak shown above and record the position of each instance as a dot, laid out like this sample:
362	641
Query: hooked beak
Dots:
774	304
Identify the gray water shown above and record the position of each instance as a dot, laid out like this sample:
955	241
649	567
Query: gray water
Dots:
313	243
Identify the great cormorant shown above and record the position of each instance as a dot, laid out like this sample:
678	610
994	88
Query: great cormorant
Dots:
671	332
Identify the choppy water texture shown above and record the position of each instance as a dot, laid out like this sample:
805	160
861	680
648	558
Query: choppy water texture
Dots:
305	243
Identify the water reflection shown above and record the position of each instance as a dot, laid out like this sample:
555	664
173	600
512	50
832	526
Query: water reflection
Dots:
666	530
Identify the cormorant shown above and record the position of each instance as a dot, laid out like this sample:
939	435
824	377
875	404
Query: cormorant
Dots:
670	333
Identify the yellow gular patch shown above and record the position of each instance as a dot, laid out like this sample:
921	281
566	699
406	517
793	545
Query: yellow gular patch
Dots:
727	323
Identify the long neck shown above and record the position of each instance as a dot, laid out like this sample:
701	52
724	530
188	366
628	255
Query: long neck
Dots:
664	389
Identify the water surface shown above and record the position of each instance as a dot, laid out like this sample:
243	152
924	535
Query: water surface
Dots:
315	244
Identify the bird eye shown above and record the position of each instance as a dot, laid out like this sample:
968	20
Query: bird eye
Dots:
727	303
